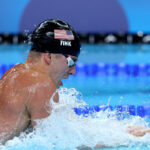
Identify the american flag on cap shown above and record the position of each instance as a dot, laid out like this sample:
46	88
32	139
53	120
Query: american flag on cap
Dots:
63	34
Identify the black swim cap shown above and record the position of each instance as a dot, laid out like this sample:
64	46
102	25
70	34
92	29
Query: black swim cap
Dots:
55	36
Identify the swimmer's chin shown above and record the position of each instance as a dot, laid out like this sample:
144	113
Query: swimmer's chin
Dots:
59	84
66	77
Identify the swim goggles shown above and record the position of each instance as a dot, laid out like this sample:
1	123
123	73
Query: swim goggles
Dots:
70	61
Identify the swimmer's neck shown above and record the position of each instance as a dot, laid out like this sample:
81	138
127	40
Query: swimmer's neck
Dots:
41	68
37	66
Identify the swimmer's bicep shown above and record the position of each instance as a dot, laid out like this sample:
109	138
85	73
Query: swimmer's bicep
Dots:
56	97
38	105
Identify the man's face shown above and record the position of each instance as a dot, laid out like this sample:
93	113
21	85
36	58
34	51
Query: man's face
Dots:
64	65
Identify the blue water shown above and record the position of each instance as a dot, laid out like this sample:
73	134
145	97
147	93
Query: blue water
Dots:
120	91
101	89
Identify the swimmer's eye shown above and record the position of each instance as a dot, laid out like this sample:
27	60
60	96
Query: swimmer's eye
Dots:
70	61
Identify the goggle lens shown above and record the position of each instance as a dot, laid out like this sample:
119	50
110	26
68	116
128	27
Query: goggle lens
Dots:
70	61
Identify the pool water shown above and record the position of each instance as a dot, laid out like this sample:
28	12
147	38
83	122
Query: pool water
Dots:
106	87
113	90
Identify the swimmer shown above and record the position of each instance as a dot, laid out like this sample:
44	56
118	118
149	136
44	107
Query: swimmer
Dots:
26	88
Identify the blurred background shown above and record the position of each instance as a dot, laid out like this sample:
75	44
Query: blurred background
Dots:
114	65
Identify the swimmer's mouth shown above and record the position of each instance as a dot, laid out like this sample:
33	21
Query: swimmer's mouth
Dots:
66	76
60	83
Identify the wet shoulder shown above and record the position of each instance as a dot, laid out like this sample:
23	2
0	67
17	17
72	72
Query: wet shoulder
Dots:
11	76
20	76
35	78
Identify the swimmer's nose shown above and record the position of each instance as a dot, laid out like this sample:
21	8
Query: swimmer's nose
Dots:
72	70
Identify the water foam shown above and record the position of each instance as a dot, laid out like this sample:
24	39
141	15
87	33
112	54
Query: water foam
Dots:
65	130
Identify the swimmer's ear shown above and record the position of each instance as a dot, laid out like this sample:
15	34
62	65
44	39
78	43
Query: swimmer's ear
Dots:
47	58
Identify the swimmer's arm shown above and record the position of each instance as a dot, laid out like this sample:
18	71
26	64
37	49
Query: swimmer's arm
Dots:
38	105
5	137
137	130
98	146
12	116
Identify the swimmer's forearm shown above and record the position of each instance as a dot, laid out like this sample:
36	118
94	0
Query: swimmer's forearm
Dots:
84	148
101	146
98	146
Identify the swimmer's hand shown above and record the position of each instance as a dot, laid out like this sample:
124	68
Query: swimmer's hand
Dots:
138	131
84	148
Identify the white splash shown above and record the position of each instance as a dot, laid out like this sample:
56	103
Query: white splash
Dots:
65	130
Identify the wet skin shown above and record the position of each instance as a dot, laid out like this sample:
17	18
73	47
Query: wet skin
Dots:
25	91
